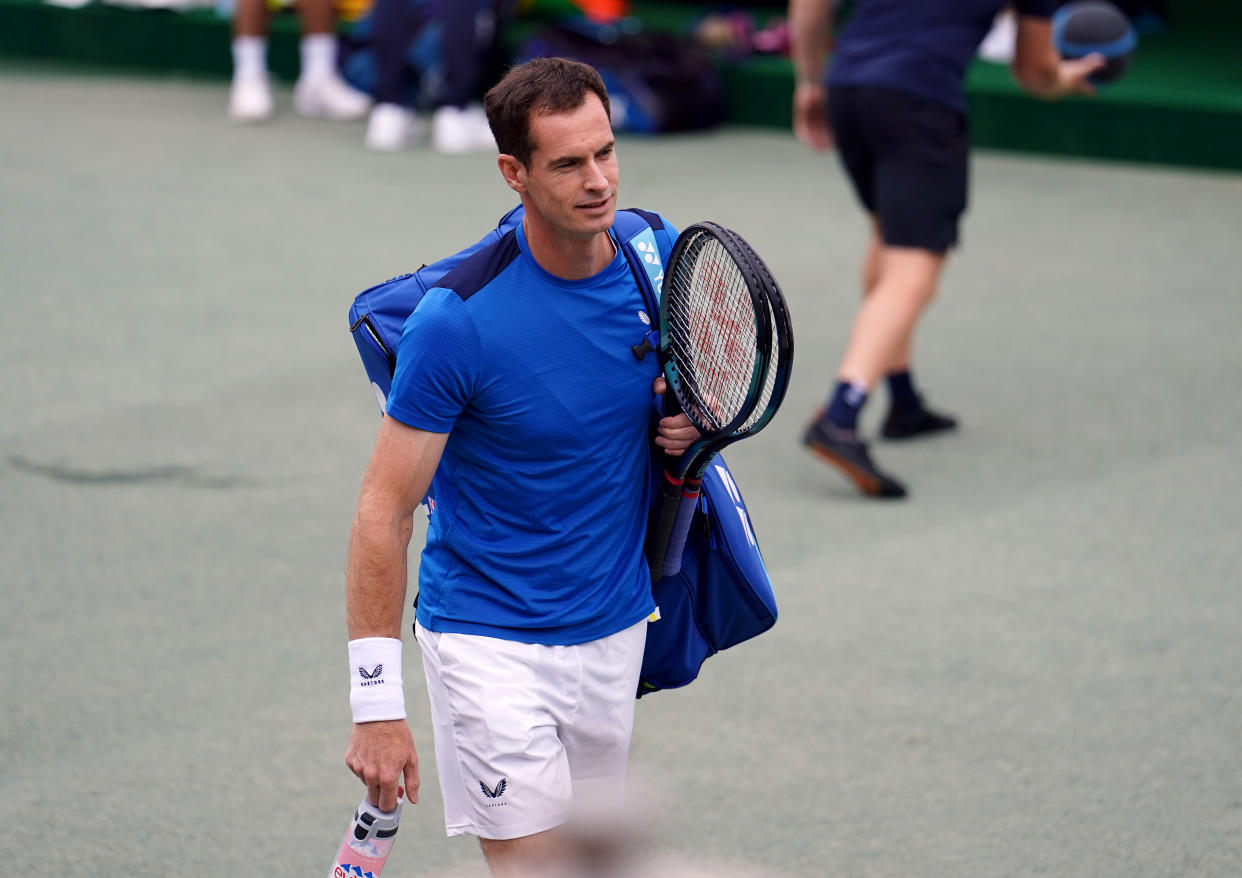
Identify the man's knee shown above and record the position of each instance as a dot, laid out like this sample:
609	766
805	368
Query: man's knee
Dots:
523	857
913	271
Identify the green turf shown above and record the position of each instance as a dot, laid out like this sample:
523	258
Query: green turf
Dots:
1193	68
1180	103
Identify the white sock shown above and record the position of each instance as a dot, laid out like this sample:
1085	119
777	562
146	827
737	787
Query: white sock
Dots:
318	55
249	57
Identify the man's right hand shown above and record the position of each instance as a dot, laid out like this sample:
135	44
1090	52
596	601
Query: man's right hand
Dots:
810	116
381	755
1074	74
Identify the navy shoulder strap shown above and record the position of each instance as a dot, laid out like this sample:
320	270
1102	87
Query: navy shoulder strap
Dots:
378	314
636	229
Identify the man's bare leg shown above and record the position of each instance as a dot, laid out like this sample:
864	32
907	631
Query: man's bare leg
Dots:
900	282
250	18
526	857
905	284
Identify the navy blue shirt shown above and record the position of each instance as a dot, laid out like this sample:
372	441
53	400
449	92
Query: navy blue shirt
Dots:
918	46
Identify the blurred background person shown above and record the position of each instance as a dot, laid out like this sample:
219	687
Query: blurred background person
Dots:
436	55
320	92
893	103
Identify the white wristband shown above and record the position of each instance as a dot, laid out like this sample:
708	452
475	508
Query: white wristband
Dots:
375	690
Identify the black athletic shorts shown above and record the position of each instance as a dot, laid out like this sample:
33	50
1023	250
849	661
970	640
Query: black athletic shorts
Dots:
908	158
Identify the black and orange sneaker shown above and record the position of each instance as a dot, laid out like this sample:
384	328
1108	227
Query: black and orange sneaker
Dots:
910	423
844	450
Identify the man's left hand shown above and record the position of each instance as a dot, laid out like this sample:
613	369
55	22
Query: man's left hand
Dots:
675	433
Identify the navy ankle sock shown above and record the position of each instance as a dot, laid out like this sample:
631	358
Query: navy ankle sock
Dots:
901	389
844	405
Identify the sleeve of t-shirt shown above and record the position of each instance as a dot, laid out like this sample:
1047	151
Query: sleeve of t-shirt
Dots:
1037	8
437	364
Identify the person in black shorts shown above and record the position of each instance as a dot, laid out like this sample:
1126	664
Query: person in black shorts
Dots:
898	118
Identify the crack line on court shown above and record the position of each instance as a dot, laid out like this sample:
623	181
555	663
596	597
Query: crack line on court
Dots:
184	476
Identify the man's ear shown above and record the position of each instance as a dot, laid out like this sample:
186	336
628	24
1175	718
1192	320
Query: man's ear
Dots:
513	171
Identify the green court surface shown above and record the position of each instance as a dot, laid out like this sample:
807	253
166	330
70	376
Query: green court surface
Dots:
1031	666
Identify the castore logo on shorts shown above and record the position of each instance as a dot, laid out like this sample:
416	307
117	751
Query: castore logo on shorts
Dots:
494	793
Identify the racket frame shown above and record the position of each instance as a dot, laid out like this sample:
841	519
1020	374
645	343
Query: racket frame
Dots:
697	466
763	340
670	495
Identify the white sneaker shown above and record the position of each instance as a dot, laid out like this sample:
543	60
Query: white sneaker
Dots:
999	45
392	128
329	97
458	130
250	100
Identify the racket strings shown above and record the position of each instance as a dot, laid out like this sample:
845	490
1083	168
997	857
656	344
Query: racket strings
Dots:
776	375
765	396
772	374
714	335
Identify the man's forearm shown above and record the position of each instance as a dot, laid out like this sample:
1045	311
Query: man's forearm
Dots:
810	26
375	577
1036	63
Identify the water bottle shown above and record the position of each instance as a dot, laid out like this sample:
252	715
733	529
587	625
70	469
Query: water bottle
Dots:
367	842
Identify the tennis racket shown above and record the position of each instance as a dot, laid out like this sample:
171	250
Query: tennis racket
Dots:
776	382
725	350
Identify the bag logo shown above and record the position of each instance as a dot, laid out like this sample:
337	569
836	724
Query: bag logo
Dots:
644	244
736	496
649	252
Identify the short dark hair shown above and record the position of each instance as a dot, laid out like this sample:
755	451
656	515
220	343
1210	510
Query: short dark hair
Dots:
540	86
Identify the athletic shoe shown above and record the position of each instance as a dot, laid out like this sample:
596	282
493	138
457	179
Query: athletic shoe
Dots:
329	97
392	128
909	423
250	100
460	130
1001	41
844	450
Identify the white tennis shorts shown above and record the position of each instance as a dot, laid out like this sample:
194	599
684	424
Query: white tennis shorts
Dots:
523	729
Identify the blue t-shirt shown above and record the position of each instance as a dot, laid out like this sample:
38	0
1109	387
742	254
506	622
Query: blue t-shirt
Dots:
541	497
918	46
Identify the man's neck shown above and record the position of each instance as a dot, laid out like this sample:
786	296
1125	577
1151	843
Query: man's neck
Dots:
569	258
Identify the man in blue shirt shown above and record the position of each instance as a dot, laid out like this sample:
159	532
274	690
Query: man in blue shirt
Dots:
897	116
517	394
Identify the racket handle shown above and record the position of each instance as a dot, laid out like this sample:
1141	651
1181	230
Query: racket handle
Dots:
661	524
367	842
681	527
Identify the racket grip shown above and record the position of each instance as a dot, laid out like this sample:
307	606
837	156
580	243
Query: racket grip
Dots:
661	524
681	527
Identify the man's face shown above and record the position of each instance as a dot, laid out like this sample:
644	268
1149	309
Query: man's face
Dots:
572	179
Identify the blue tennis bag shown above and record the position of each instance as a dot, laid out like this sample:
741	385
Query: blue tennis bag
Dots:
722	595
